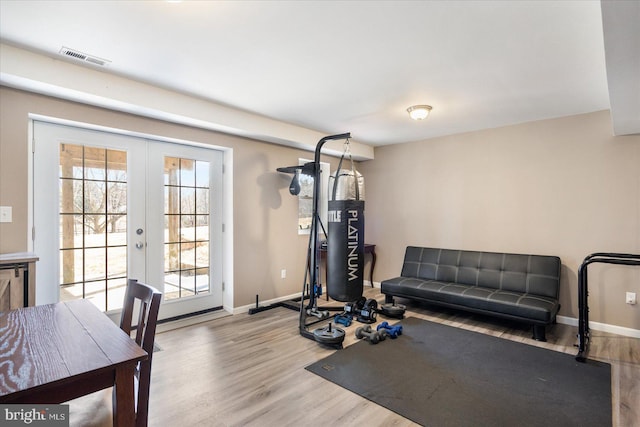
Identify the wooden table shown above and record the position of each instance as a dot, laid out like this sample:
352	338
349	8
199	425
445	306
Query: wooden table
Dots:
57	352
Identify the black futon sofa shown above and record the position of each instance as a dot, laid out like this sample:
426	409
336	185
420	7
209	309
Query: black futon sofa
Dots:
513	286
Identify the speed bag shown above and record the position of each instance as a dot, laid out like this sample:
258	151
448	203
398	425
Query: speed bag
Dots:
345	249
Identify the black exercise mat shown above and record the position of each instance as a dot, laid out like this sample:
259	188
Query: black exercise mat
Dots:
437	375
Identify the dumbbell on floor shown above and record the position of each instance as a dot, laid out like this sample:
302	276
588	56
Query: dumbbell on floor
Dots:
374	337
319	314
392	331
344	319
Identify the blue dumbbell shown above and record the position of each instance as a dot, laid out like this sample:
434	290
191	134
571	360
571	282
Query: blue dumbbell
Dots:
392	331
343	319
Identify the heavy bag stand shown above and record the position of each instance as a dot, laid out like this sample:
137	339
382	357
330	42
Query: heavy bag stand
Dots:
583	294
310	313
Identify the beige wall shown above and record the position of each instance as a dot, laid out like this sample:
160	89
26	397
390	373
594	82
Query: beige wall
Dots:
563	187
265	214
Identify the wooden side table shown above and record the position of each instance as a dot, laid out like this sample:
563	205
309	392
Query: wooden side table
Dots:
17	280
371	249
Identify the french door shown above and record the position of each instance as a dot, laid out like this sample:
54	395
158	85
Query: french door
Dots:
108	207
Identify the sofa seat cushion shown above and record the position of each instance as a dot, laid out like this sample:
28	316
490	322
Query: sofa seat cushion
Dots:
517	304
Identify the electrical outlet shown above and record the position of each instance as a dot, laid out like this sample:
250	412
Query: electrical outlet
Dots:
6	214
631	298
283	273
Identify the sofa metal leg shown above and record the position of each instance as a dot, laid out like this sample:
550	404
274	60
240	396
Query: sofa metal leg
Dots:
539	333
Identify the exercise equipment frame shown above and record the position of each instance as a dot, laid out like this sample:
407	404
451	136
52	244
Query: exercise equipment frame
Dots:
583	293
313	287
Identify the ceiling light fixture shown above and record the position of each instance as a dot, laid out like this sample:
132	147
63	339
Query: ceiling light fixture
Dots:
419	112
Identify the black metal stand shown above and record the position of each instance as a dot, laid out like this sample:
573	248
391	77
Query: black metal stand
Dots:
313	287
291	304
310	313
583	293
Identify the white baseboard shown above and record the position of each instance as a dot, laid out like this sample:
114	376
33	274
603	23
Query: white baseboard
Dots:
192	320
604	327
571	321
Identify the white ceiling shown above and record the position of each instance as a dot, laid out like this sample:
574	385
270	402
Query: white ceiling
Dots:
343	66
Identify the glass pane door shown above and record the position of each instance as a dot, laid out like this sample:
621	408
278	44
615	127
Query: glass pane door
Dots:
87	214
185	199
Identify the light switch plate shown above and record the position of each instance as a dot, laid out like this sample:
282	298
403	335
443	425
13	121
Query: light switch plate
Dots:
5	214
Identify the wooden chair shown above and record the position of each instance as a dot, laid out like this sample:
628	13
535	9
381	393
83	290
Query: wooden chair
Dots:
148	299
95	410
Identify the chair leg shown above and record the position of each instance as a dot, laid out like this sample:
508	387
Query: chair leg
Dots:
539	333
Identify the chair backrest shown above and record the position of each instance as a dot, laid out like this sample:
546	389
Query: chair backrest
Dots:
145	331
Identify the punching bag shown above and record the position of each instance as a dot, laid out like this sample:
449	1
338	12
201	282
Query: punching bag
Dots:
345	235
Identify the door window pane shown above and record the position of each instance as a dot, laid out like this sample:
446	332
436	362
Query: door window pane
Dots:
70	167
187	173
72	224
117	235
117	197
71	271
171	200
94	196
187	200
202	174
95	163
116	166
73	200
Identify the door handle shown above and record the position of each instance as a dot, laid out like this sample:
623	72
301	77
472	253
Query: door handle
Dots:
139	245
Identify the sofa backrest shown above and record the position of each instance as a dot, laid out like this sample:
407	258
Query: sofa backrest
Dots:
533	274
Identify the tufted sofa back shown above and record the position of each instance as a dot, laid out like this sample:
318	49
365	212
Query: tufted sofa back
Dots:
532	274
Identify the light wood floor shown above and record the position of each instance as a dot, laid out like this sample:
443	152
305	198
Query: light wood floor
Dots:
249	370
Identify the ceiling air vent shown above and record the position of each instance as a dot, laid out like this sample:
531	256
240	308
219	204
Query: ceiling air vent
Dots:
71	53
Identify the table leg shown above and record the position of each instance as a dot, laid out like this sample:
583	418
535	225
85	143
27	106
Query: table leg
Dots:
124	405
373	264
